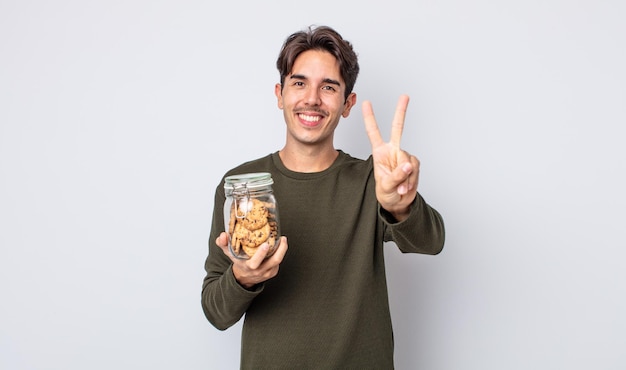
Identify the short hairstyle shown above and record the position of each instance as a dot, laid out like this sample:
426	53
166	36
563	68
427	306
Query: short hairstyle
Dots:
321	38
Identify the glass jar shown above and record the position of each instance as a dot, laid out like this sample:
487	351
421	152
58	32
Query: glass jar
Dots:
250	214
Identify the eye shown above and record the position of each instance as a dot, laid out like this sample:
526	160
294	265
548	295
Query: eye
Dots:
298	83
328	88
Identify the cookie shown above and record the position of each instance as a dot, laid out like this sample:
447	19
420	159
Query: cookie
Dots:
252	222
254	239
256	216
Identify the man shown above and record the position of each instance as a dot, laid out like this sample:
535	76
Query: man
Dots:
327	307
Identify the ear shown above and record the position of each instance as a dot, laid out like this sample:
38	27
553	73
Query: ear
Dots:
350	102
278	91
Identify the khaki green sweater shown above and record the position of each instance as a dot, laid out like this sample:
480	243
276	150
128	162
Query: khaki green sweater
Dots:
328	307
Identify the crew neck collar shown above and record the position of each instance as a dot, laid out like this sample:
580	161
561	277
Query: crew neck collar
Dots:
341	157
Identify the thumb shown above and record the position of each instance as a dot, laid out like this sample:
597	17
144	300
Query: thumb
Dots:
397	177
259	256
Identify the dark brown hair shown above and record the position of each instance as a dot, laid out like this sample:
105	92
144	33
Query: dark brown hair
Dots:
321	38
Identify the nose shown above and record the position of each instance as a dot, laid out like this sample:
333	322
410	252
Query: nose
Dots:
313	97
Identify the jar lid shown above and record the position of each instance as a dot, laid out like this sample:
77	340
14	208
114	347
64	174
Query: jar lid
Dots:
248	180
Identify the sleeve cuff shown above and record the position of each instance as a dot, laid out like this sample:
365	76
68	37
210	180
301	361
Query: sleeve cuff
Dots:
389	220
238	288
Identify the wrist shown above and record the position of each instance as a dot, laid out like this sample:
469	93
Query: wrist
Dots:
241	280
395	215
400	216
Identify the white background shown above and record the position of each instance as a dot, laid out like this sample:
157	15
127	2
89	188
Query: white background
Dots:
118	118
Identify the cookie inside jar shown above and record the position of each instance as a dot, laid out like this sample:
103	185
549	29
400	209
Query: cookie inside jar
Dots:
250	214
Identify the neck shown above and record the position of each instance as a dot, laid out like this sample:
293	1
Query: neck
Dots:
308	160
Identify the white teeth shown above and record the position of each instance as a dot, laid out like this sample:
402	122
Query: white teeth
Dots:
310	118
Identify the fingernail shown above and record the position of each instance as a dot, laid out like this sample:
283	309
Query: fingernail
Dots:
407	168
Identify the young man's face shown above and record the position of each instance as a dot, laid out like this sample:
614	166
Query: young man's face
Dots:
312	99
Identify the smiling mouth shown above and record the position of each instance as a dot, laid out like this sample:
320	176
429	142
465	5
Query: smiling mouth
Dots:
309	119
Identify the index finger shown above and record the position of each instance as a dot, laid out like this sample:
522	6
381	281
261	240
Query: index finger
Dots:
397	125
371	127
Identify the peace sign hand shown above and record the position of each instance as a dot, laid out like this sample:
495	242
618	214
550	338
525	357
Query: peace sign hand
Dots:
396	171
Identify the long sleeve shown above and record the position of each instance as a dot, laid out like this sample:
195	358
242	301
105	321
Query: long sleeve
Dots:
422	232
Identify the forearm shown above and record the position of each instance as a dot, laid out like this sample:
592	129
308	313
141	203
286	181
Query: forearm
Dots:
224	301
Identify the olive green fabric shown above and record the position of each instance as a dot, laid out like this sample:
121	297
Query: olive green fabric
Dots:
328	307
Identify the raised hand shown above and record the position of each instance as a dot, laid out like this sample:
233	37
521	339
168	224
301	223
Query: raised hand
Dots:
396	171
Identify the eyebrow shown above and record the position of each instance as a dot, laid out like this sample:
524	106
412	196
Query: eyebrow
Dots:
326	80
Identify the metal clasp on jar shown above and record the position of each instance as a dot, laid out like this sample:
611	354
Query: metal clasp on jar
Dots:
241	194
